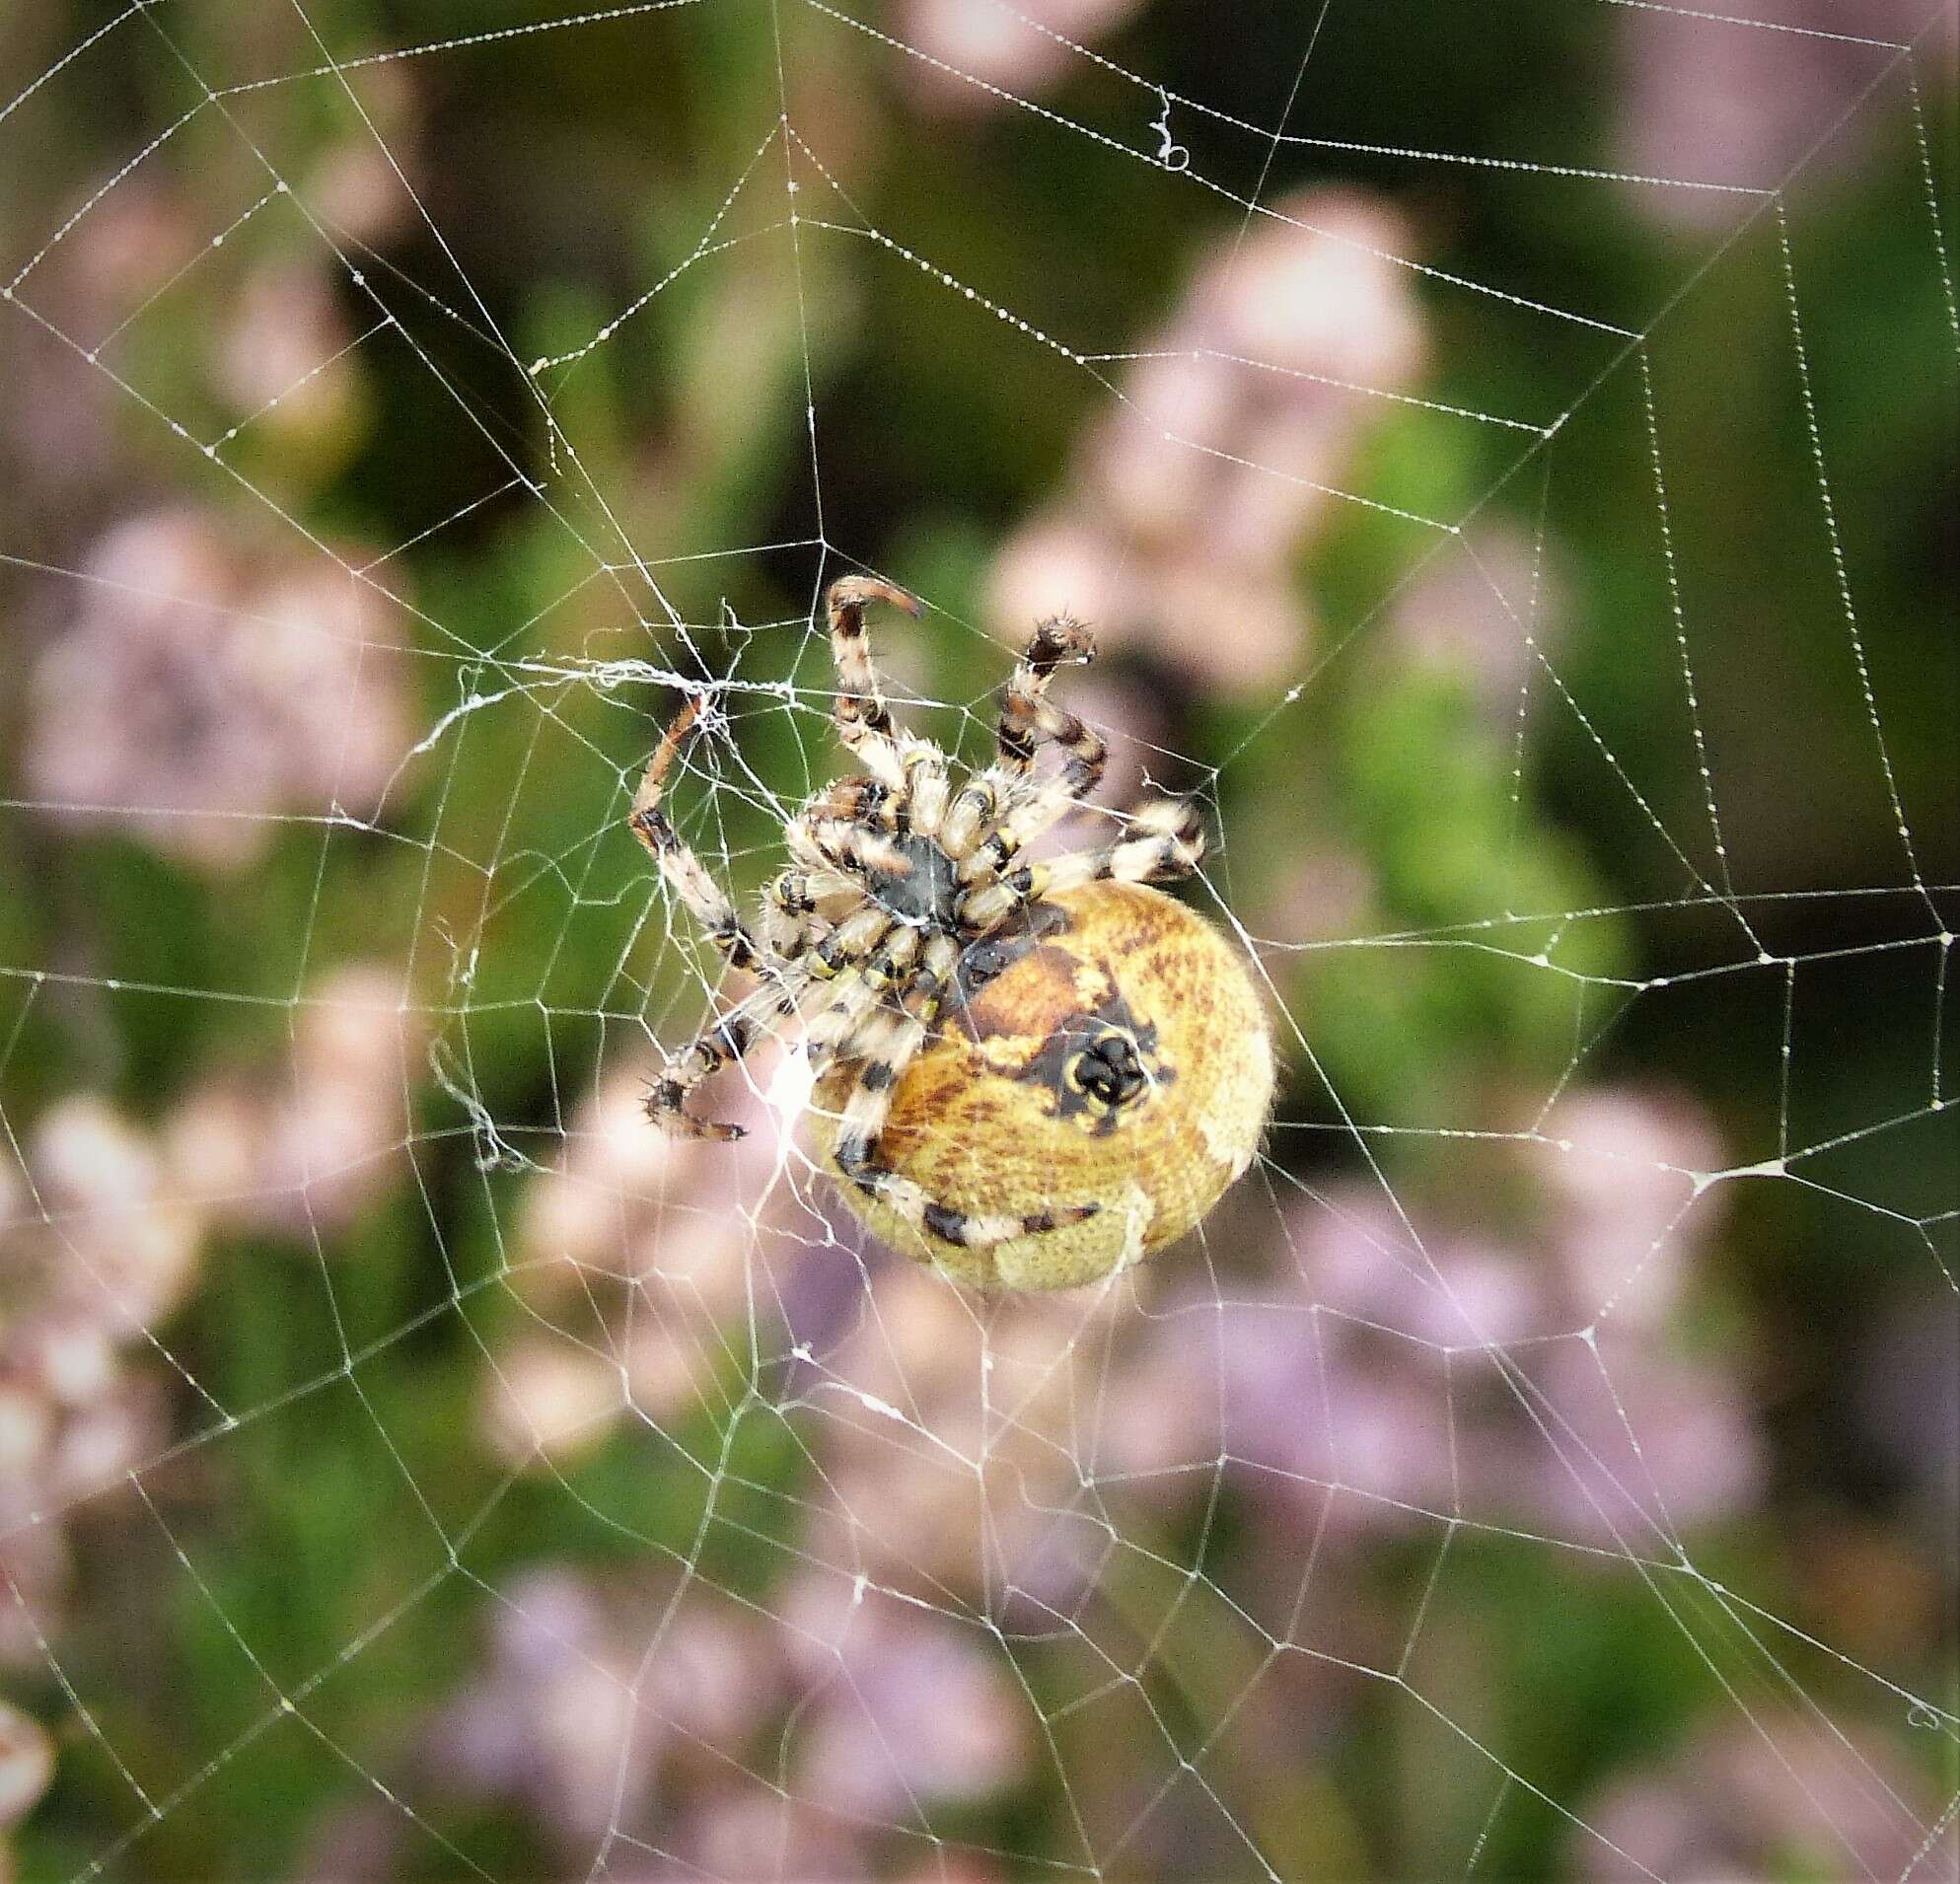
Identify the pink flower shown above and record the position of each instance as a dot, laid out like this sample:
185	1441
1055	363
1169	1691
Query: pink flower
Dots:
907	1709
1477	611
1431	1367
643	1257
300	1146
200	694
94	1249
1778	1794
284	361
1730	101
1191	500
1002	46
1622	1177
27	1764
949	1441
594	1696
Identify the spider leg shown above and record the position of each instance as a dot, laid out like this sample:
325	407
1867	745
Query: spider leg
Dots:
864	723
852	997
850	944
854	850
900	949
925	988
684	872
922	806
1165	839
884	1050
1026	814
1024	807
1028	716
790	924
971	814
729	1038
857	978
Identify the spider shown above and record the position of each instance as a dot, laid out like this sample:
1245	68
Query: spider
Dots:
908	907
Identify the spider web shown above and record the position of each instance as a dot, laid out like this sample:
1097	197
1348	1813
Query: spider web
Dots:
418	1466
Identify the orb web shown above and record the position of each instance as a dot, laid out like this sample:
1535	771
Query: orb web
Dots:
417	1463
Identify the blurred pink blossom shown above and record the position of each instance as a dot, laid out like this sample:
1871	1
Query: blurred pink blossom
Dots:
1478	608
302	1145
642	1256
753	1833
61	449
202	693
1434	1365
549	1401
946	1440
906	1708
1002	46
1776	1795
553	1720
166	250
594	1692
27	1764
283	359
1621	1171
110	1245
363	186
1193	500
95	1248
1715	98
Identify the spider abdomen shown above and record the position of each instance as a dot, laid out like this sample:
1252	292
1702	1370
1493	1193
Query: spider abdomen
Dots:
1113	1052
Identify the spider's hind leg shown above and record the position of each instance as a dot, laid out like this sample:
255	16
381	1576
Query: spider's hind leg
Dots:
728	1039
883	1054
791	922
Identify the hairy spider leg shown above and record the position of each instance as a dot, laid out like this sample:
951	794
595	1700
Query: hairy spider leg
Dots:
727	1039
1028	716
884	1046
684	872
923	993
888	968
1165	839
1012	806
791	924
864	723
931	794
857	850
852	998
1030	810
851	943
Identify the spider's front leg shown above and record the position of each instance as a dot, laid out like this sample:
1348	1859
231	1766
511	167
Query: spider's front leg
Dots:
1166	840
1027	718
684	872
884	1047
864	723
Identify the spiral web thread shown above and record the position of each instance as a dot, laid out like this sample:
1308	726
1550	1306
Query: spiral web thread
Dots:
1774	1676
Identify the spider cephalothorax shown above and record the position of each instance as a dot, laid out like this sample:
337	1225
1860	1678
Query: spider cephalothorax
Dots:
1004	1051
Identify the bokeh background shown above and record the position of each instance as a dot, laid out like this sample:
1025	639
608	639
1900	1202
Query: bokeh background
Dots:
1519	496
